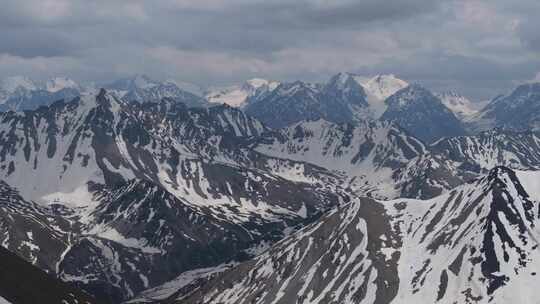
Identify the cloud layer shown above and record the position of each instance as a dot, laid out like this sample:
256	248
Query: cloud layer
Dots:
481	48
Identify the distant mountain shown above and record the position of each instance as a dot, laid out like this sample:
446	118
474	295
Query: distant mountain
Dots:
241	95
475	244
519	110
60	83
21	93
344	98
341	99
382	86
377	89
460	105
141	88
421	113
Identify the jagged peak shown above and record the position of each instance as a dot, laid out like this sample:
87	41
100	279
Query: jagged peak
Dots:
343	81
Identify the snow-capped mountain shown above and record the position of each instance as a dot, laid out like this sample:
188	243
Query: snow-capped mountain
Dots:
341	99
421	113
345	97
287	104
22	93
460	105
518	110
141	88
382	86
475	244
240	95
22	283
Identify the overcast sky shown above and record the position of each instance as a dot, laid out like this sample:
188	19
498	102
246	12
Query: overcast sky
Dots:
480	48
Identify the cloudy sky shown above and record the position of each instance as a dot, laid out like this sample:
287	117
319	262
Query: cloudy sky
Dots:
480	48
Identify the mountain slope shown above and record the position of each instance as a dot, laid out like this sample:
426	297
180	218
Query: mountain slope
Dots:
38	234
516	111
341	99
141	88
22	283
382	86
421	113
476	244
121	172
488	149
375	158
460	105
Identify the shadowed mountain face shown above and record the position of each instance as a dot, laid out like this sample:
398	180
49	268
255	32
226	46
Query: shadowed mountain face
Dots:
517	111
341	99
475	244
423	114
22	283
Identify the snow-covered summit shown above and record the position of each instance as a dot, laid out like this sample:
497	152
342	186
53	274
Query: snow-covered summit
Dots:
382	86
238	95
457	103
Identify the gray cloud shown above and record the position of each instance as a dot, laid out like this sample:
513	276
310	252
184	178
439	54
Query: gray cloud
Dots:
474	46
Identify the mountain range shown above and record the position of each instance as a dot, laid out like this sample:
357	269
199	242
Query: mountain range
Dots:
344	98
270	192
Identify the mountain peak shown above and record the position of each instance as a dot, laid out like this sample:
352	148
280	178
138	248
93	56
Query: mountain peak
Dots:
411	93
383	86
342	81
457	103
